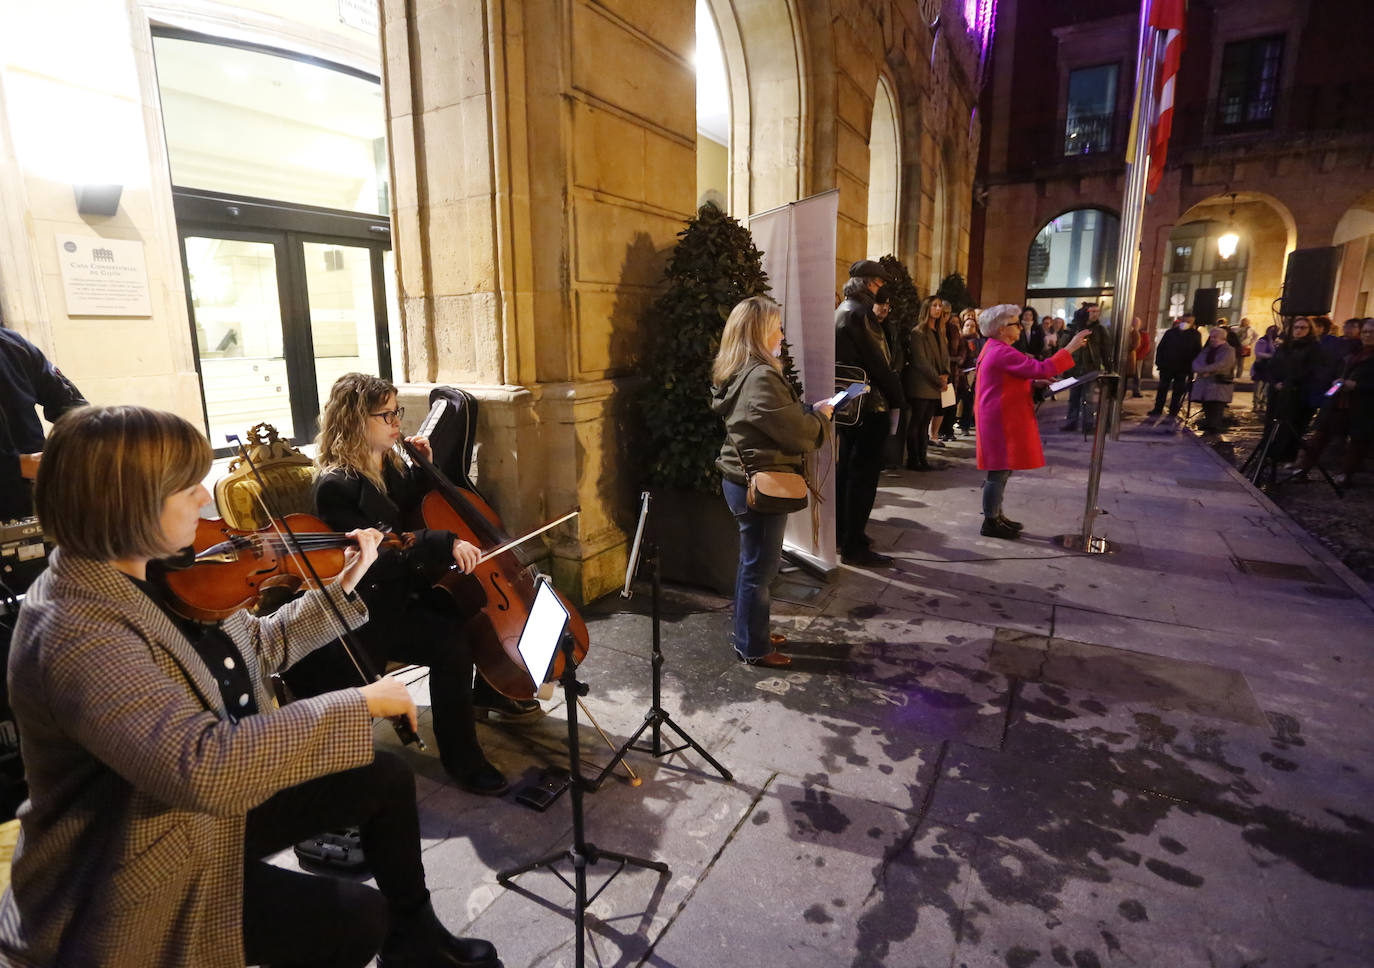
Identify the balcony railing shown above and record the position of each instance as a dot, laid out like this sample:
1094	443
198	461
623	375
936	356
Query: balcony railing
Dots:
1043	145
1089	134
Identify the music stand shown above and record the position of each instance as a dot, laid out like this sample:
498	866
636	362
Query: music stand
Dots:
581	853
657	717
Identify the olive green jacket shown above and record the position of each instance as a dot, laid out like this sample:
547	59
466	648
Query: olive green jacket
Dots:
764	422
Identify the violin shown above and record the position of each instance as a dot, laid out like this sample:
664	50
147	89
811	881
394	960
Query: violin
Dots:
500	591
229	568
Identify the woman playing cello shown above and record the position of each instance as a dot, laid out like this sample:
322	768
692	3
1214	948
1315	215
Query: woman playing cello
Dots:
362	483
160	774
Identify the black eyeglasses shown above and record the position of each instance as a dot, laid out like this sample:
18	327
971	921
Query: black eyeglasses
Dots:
390	416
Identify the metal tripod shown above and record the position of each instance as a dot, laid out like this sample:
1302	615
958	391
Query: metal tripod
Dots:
657	717
581	853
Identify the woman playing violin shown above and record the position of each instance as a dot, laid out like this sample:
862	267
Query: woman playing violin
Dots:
362	484
160	773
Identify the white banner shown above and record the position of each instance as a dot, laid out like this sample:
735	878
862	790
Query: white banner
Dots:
798	245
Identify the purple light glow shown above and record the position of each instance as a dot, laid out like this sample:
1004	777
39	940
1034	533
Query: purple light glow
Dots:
978	14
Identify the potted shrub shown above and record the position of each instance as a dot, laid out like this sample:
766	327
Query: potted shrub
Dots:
714	265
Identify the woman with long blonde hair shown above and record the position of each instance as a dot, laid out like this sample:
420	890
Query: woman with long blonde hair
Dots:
925	376
767	428
362	482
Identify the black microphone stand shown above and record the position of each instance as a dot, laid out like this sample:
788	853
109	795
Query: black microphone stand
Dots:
582	853
657	716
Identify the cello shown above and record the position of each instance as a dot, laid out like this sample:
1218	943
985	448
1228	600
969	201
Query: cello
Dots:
500	591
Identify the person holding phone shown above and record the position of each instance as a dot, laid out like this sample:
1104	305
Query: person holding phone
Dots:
767	428
1008	436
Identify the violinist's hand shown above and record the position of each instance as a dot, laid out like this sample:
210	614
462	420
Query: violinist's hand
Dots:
387	698
465	554
422	445
824	409
358	560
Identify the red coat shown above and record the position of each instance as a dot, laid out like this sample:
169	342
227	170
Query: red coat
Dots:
1008	437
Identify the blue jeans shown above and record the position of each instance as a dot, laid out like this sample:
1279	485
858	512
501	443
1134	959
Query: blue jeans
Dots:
760	554
993	489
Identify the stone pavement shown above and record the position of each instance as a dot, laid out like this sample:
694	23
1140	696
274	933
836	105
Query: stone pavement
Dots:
997	753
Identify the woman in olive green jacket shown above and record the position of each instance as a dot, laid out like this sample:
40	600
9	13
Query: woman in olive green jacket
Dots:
766	429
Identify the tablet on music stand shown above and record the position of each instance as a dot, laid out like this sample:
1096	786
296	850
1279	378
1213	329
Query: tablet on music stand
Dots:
543	632
632	566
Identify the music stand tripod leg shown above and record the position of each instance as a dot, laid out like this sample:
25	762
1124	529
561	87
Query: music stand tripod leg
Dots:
581	853
658	717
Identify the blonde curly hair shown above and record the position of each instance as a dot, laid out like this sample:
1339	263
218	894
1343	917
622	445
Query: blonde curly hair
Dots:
342	443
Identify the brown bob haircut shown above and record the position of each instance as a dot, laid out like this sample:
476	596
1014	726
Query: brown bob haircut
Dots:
105	474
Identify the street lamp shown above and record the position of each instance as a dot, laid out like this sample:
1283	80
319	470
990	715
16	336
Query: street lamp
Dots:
1228	241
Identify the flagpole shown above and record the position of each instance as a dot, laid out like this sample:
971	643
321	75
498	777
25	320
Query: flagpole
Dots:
1148	57
1112	387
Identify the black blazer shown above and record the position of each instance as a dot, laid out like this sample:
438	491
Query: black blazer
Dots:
345	500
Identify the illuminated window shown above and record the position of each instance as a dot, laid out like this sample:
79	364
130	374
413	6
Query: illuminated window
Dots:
1249	88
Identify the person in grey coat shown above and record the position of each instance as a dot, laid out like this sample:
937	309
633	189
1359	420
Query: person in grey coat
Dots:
1212	387
160	772
925	377
766	429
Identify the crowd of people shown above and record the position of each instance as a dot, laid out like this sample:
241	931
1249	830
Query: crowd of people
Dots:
1305	378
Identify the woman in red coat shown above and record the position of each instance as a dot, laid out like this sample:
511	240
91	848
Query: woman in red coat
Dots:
1008	436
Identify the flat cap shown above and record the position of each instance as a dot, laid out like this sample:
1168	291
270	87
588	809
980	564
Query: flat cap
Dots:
867	267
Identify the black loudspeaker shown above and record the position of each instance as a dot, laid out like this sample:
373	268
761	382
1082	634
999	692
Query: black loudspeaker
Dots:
1205	306
1310	281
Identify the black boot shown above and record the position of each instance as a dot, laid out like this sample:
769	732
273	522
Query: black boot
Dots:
993	528
1008	522
420	941
488	703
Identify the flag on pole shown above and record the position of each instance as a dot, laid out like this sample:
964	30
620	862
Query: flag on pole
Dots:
1167	16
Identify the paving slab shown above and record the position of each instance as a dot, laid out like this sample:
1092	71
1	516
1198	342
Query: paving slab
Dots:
993	753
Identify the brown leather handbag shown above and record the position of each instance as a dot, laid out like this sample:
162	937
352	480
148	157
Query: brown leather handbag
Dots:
777	492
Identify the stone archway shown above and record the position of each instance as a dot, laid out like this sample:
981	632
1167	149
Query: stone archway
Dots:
1355	236
761	42
884	172
1268	233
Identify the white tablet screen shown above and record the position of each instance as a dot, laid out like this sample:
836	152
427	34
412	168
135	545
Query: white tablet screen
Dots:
542	633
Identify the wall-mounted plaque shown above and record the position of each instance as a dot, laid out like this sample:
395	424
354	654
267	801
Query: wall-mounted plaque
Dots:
103	277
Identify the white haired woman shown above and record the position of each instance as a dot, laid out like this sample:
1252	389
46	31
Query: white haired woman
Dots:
766	429
1008	437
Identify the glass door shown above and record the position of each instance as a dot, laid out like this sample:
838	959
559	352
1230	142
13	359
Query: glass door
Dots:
343	302
235	295
283	300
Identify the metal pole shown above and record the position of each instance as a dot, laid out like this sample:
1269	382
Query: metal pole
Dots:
1148	54
1112	387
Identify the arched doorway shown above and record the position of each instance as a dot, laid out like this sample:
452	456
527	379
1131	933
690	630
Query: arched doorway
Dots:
764	66
1072	260
884	167
713	113
1355	237
1249	279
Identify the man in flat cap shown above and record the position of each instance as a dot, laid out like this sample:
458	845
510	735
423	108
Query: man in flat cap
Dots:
859	342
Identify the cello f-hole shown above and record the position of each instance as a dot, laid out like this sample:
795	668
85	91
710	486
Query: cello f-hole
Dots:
504	605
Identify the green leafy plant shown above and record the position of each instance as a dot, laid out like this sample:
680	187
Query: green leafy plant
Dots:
954	291
901	295
714	265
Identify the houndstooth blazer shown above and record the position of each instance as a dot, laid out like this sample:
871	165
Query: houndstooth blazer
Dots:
131	844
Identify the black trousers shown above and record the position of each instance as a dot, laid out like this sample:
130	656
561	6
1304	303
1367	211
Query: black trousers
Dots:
307	921
428	632
857	468
1178	383
918	431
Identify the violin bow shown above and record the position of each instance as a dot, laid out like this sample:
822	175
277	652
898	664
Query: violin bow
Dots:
352	648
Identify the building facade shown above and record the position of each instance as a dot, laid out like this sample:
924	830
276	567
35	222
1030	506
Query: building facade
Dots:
472	192
1273	141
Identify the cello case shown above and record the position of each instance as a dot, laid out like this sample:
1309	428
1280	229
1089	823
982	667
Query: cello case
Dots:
453	434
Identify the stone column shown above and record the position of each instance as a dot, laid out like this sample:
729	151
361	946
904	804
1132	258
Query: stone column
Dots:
543	155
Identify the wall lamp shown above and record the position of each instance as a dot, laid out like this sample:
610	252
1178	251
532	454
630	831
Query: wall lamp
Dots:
98	199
